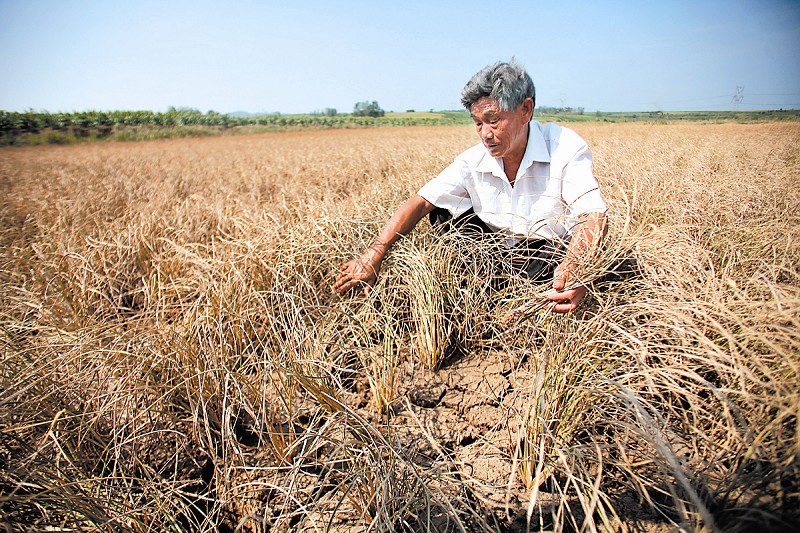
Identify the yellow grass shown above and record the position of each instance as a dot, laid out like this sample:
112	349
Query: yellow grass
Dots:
173	357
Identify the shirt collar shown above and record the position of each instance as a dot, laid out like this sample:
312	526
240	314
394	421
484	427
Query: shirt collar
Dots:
536	150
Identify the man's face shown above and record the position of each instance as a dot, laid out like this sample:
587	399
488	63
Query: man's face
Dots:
503	133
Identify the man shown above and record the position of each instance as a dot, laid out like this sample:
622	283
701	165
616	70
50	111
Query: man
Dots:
529	182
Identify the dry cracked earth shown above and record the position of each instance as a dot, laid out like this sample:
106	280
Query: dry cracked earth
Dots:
457	427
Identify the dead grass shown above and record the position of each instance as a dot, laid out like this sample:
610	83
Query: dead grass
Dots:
173	356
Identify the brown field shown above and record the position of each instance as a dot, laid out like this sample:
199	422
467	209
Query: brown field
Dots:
173	358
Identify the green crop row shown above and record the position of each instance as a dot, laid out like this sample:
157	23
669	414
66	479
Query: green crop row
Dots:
34	127
34	122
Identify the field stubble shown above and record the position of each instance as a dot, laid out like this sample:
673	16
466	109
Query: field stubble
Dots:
173	356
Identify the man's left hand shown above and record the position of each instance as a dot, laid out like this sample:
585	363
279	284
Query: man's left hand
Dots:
565	300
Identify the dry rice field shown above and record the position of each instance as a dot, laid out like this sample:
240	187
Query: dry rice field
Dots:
172	357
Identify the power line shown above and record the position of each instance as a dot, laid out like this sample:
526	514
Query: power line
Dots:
665	102
774	94
723	100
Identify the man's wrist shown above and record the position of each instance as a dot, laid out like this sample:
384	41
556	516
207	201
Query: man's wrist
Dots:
373	257
379	247
568	265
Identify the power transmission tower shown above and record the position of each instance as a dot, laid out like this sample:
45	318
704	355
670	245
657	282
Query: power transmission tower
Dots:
738	96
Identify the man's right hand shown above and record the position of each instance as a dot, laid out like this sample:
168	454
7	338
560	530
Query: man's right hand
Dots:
355	273
363	272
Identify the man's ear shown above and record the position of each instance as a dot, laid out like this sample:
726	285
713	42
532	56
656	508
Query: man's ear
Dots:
527	106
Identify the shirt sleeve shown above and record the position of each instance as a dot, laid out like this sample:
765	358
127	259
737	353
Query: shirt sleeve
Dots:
448	189
579	189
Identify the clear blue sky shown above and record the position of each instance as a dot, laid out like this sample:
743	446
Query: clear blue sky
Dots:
304	55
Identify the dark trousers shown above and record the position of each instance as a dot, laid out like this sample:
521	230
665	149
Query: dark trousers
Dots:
535	259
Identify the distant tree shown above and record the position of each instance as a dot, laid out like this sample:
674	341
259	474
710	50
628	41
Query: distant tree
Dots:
327	112
367	109
184	110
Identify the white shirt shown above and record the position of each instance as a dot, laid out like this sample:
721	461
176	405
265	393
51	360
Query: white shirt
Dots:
553	187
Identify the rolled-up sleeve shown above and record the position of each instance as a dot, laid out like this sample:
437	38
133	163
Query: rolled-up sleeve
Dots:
579	190
447	190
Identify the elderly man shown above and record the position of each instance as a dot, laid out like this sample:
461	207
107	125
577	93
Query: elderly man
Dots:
531	183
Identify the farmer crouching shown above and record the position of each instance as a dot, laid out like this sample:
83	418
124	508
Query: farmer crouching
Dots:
528	182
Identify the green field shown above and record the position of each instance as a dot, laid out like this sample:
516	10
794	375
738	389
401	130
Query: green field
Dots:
41	127
676	116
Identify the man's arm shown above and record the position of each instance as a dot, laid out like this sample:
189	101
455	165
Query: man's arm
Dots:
587	239
363	271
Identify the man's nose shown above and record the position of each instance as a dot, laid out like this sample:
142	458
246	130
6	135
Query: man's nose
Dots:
486	132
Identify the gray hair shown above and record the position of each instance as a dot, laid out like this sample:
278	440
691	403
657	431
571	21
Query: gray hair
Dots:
508	83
